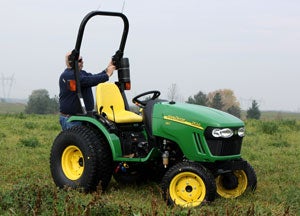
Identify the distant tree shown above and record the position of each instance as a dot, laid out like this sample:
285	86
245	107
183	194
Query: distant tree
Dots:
173	92
222	99
217	102
54	104
253	112
234	110
228	98
40	103
199	99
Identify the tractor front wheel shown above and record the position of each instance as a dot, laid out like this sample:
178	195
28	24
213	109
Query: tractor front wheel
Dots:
234	184
188	185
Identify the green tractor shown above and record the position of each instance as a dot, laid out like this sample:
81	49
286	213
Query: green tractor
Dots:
194	151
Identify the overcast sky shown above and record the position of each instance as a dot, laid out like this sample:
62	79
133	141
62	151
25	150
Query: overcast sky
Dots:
249	46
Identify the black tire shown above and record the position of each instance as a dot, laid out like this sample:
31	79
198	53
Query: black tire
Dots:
232	185
188	184
76	159
104	161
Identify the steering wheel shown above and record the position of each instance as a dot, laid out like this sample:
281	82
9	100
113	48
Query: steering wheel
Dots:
142	103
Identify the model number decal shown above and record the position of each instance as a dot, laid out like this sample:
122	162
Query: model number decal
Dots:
183	121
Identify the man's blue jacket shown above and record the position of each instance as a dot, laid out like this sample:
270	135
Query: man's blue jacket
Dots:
68	101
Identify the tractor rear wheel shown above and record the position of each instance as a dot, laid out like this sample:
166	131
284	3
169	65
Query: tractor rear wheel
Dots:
80	159
234	184
188	184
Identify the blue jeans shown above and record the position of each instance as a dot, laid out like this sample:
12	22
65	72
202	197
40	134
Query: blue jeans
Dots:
63	120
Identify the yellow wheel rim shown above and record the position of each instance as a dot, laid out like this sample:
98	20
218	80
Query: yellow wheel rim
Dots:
187	189
72	162
238	190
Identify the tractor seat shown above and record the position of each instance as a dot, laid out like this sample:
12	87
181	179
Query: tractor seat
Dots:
110	101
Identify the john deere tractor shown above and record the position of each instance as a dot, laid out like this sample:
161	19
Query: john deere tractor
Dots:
194	151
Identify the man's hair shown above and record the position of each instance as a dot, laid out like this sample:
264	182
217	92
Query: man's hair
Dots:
68	60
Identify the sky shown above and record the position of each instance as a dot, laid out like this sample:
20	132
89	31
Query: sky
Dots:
249	46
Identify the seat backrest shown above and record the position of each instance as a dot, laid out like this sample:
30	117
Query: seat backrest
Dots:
109	98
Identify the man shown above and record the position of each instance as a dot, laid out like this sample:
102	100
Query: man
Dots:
68	101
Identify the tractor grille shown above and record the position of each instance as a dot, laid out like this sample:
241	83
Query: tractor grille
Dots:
197	138
224	147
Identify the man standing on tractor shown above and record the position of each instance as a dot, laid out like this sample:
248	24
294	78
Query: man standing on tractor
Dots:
68	101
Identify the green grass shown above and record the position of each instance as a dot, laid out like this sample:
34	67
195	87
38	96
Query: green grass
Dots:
268	115
272	115
26	186
11	108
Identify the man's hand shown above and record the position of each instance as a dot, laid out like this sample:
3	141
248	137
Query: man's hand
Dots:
110	69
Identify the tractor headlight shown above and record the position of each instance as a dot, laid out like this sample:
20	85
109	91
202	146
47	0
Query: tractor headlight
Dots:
241	132
222	132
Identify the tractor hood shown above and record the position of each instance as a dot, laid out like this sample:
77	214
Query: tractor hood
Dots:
195	115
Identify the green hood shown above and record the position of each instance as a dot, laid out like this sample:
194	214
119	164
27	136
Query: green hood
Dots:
200	115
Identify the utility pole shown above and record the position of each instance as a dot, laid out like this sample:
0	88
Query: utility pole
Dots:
7	83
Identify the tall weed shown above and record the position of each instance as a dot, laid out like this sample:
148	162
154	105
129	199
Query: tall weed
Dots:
29	142
269	127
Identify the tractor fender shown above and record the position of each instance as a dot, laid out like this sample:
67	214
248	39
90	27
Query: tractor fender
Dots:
112	139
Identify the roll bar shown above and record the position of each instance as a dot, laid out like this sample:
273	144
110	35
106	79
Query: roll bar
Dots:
76	52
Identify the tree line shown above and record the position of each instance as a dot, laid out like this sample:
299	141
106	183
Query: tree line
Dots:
225	100
39	102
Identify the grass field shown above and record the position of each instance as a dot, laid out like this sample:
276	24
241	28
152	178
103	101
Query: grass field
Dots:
26	187
11	108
